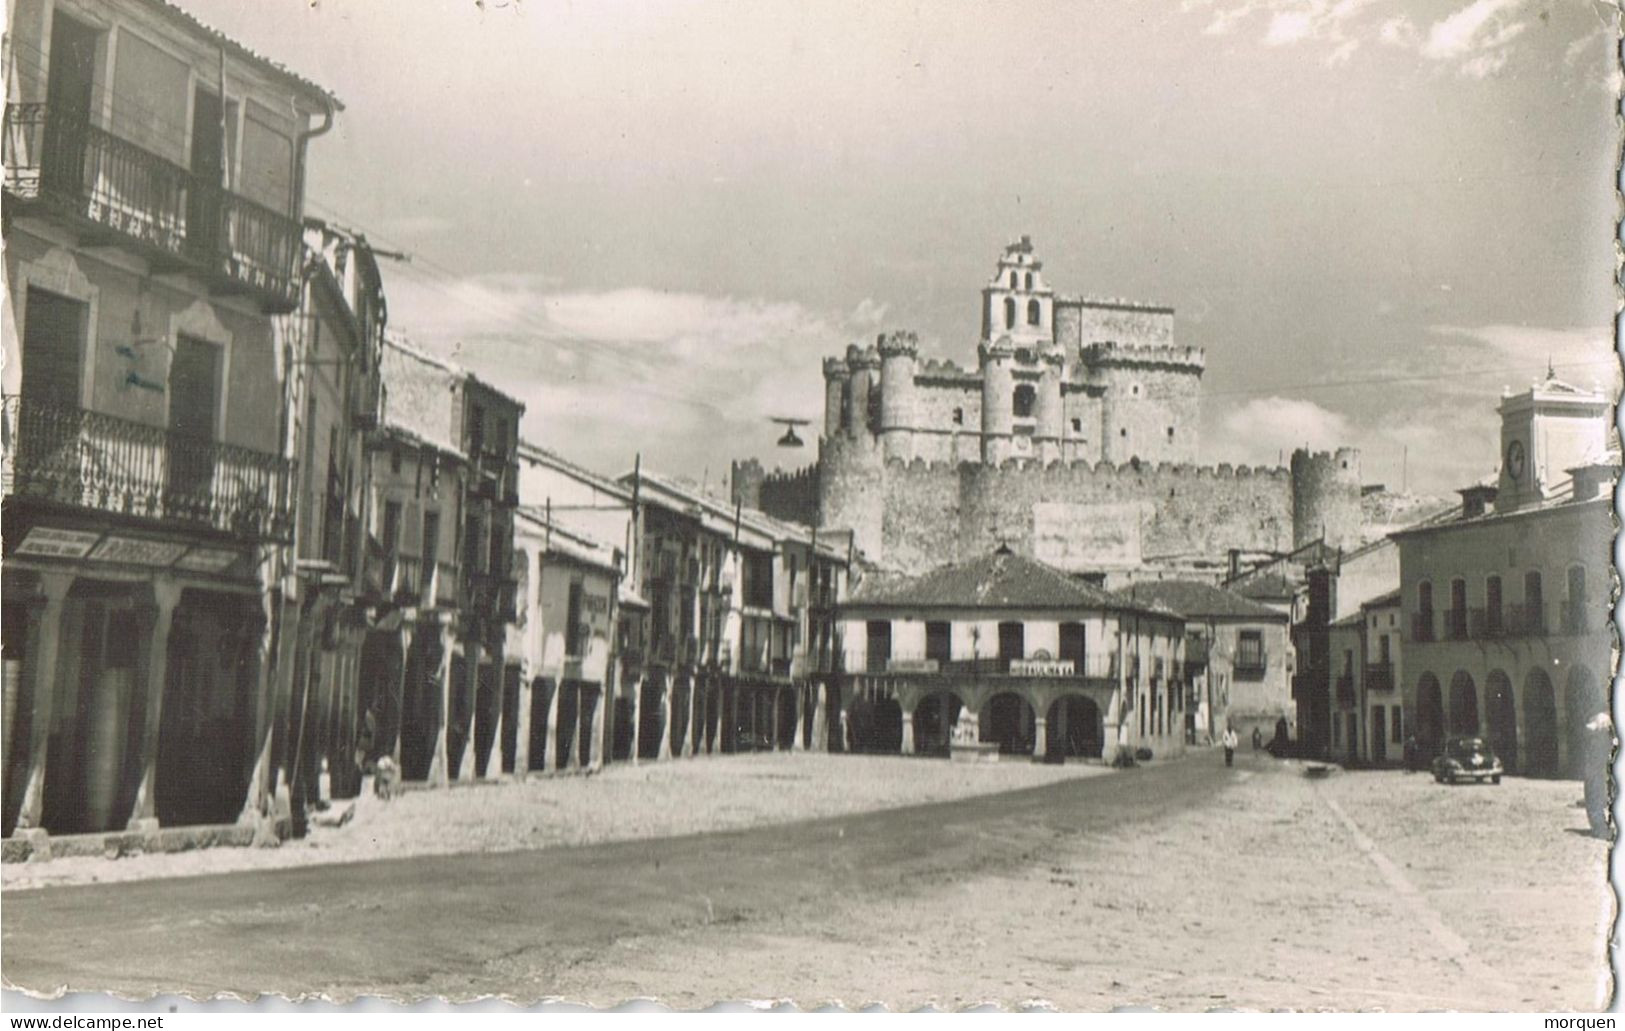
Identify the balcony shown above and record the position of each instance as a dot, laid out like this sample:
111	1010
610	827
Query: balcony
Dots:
1345	689
75	457
1526	620
1422	627
1455	624
1573	618
1486	624
114	190
1379	676
1099	667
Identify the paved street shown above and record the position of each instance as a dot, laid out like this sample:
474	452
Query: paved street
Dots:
1185	884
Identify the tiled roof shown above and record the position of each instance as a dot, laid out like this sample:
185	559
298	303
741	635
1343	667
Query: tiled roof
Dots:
1193	598
1000	580
1273	586
180	13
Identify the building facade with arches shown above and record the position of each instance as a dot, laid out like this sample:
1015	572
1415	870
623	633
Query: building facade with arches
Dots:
1506	611
1006	653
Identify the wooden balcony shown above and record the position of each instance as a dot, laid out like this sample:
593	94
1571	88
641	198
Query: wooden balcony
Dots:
88	460
115	193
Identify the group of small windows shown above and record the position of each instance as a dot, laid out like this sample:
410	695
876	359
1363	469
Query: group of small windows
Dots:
1020	280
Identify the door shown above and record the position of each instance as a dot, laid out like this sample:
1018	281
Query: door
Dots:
1072	646
194	387
67	105
1378	736
48	423
1012	641
203	206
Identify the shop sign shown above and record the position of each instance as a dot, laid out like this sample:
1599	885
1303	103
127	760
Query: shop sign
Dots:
43	540
137	551
207	560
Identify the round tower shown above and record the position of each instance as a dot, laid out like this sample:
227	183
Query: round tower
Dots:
1049	416
863	373
1151	403
998	360
1326	497
835	376
898	352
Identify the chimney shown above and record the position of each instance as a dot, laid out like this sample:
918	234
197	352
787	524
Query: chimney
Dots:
1235	563
1476	500
1590	480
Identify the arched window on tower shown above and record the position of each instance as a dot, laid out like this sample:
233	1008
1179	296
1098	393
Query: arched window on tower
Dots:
1010	312
1027	281
1034	312
1022	403
1014	282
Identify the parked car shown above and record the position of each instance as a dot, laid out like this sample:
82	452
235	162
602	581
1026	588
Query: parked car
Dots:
748	740
1466	758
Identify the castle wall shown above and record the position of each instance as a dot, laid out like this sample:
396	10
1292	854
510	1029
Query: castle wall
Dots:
1082	444
792	496
1077	516
1080	322
1327	484
1143	403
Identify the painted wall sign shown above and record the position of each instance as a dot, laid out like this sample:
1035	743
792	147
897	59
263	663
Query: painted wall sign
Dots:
137	551
43	540
1087	537
207	560
1042	668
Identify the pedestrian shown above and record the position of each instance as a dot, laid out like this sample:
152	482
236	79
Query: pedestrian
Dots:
1258	738
1598	759
1410	753
1231	740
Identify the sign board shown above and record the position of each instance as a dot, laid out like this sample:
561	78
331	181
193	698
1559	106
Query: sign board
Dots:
42	540
1042	668
207	560
137	551
1078	537
595	611
911	666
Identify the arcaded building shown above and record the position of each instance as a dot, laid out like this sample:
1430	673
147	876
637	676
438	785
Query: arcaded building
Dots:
1073	439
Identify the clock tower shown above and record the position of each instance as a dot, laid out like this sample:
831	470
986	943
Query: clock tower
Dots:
1545	431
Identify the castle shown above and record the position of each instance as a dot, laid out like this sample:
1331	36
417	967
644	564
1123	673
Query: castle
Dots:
1074	440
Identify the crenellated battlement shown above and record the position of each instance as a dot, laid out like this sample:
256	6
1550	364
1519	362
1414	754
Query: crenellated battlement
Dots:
1110	352
1113	304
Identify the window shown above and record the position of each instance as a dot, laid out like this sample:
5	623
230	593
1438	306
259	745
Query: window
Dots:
575	639
1492	604
1385	657
1010	310
1170	433
1035	312
1424	597
476	429
1027	281
1135	390
431	543
959	417
1123	432
1077	425
1072	645
1014	282
392	528
1021	403
938	641
1012	641
878	635
1249	653
395	460
1398	733
758	575
1574	608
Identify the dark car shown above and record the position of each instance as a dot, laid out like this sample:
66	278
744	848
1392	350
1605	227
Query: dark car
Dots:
1466	758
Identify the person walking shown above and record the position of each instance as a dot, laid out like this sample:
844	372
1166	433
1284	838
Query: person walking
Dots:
1230	742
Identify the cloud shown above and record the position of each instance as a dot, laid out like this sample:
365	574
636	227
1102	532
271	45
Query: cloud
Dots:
687	379
1264	429
1475	39
1578	354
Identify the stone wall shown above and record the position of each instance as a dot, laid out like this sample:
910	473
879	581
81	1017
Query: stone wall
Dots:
792	496
920	514
1079	322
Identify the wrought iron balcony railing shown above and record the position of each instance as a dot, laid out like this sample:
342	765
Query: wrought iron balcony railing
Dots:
1422	626
1250	667
74	456
85	173
1455	624
1092	666
1379	676
1526	620
1486	624
1573	618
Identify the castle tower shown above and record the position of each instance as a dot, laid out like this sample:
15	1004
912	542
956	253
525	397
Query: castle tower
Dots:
898	352
835	376
1016	302
1049	416
1546	430
1151	404
1326	497
998	360
864	367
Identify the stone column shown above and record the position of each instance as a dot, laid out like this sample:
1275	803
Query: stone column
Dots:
551	762
471	675
43	678
439	771
668	713
595	733
257	802
637	720
166	596
820	719
1040	739
400	697
798	699
521	748
908	732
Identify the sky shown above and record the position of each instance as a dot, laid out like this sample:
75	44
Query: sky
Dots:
651	221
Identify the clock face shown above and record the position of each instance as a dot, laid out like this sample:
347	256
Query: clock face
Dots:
1515	458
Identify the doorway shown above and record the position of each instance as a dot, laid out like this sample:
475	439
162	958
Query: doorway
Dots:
194	409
